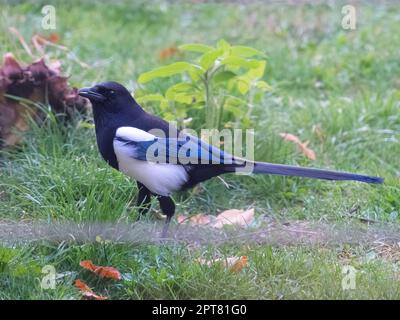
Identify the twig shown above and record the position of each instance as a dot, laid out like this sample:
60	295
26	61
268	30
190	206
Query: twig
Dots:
21	40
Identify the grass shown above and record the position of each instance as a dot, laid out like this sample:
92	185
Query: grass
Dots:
338	89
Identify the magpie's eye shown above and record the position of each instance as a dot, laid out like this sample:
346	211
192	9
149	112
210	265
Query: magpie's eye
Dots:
111	92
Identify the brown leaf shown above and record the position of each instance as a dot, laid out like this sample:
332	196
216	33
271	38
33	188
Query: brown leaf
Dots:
86	291
290	137
309	153
88	265
234	264
35	82
104	272
229	217
11	70
52	37
237	263
39	71
234	217
168	52
198	219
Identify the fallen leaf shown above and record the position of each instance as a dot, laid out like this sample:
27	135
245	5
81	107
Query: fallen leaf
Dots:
38	83
104	272
168	52
53	37
234	217
229	217
88	265
309	153
86	291
234	264
198	219
182	219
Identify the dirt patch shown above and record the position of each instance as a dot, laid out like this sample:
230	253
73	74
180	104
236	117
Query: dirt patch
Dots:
383	239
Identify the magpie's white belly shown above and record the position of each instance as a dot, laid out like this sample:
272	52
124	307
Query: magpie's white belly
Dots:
159	178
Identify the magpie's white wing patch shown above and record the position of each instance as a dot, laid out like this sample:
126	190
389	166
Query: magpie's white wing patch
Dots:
159	178
134	134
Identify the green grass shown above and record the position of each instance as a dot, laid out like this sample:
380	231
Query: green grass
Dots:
344	82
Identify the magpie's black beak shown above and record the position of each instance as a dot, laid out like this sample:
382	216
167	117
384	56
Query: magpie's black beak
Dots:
91	94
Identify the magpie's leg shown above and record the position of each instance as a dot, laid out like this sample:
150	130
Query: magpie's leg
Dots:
167	206
143	200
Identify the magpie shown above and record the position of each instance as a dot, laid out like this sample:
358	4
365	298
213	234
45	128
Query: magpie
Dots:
164	160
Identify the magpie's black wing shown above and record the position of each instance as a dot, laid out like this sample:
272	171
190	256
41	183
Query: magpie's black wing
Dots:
187	150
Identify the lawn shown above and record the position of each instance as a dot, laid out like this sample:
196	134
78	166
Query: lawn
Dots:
338	89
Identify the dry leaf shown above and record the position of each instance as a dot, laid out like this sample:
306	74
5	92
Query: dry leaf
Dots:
104	272
198	219
234	264
309	153
168	52
52	37
234	217
237	263
38	83
229	217
87	292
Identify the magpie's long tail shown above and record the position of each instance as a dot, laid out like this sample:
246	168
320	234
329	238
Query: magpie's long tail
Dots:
284	170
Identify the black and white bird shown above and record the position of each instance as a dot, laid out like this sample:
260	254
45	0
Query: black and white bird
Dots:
161	159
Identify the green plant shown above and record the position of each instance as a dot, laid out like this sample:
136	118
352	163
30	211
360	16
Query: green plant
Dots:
220	85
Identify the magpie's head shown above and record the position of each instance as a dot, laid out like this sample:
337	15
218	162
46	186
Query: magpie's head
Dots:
110	97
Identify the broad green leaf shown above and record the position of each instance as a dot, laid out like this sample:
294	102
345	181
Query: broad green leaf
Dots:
243	86
235	105
150	97
86	125
195	74
168	116
184	98
181	113
246	52
234	61
224	76
257	72
196	47
207	60
234	109
179	87
165	71
224	46
235	100
258	96
164	104
183	93
262	85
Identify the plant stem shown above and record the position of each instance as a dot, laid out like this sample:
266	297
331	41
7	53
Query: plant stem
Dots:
209	115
